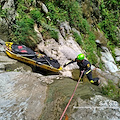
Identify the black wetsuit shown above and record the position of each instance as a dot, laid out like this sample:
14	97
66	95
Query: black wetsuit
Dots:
86	66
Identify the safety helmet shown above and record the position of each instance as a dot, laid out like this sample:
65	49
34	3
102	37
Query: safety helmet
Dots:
80	57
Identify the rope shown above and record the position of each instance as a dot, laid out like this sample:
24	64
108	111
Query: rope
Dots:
72	95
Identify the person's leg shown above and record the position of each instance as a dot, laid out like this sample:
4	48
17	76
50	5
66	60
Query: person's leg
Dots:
89	76
94	81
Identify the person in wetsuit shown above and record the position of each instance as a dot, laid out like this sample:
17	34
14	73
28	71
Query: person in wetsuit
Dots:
84	65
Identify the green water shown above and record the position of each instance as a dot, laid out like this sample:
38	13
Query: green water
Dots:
59	94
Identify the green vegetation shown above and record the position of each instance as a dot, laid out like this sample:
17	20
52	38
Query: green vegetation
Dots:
110	19
23	31
29	13
111	90
56	13
3	13
90	47
36	15
54	34
62	11
77	37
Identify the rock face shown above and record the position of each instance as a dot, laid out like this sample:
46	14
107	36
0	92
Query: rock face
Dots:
5	23
19	94
117	53
98	108
107	58
9	4
4	60
64	28
63	53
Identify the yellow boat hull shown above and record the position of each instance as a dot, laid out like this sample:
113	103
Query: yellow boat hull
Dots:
28	60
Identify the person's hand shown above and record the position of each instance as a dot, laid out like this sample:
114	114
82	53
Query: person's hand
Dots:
64	65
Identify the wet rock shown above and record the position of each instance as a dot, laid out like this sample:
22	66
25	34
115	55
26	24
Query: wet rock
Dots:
49	79
18	67
21	96
2	67
98	107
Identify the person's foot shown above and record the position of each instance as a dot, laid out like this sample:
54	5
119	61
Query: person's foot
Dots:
99	81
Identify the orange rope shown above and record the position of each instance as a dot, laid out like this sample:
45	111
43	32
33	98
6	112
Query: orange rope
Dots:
72	95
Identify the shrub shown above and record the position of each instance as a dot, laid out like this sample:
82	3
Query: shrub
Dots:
90	47
110	19
54	34
36	15
111	90
22	31
77	38
56	13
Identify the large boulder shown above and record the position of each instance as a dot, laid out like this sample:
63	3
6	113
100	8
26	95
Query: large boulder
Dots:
64	52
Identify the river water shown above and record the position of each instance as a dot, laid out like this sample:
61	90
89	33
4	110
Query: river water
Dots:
88	102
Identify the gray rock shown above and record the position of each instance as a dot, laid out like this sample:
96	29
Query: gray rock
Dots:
76	31
108	60
63	50
38	33
2	42
11	13
117	53
6	59
44	8
98	41
97	108
19	94
42	5
2	49
2	67
65	28
117	59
